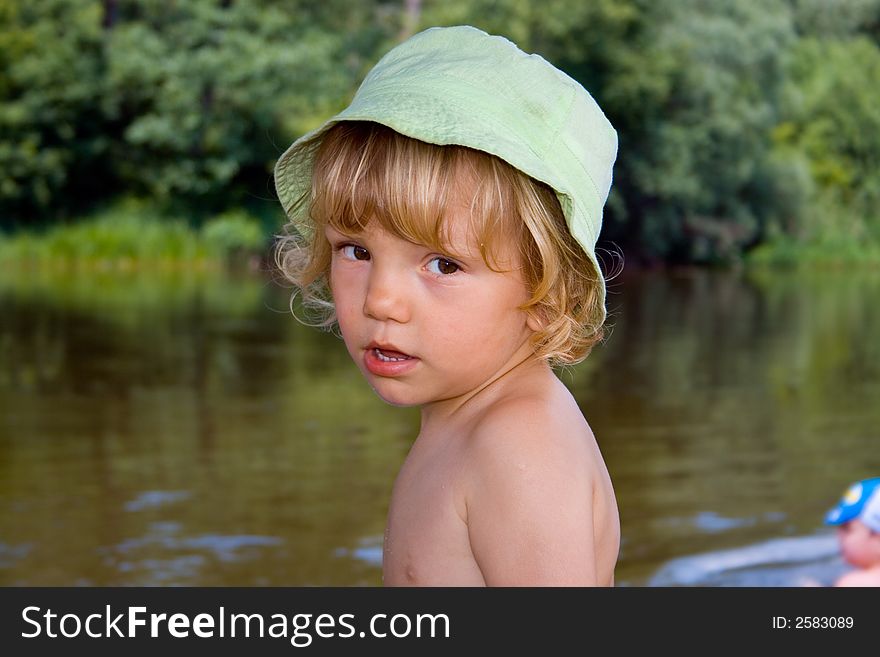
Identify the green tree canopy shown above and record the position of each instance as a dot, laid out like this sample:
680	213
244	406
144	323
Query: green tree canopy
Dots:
740	122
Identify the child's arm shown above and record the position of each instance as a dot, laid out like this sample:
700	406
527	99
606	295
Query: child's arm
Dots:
530	500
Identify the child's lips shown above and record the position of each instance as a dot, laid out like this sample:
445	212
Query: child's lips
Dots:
388	361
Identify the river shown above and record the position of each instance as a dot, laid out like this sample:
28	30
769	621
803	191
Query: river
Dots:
186	430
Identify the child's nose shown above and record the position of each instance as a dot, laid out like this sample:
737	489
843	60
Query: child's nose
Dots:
386	298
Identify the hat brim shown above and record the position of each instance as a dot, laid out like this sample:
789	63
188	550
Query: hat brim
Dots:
841	515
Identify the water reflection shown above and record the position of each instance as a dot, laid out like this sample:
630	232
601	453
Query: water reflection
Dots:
112	404
751	397
185	430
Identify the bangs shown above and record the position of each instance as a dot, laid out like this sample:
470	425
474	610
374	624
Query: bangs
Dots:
366	172
363	172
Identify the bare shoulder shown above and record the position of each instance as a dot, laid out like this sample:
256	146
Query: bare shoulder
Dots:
860	578
540	506
527	432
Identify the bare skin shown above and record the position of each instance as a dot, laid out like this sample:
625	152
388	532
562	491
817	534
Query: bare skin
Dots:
510	490
860	547
869	577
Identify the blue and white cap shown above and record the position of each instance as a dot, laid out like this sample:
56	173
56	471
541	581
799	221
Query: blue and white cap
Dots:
861	501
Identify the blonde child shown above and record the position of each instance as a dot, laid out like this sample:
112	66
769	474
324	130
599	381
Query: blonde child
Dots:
857	517
446	221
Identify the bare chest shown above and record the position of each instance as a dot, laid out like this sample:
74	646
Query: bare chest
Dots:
426	539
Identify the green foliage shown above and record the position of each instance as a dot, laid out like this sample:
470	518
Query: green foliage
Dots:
697	105
185	102
228	77
50	84
234	233
842	253
740	123
130	235
840	19
121	237
833	122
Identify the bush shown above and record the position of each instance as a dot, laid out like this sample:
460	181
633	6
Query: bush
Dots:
233	234
131	234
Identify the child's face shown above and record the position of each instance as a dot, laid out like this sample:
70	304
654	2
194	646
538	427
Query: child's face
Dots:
456	319
858	544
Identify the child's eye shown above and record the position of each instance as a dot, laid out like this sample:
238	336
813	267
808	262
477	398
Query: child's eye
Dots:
442	266
354	252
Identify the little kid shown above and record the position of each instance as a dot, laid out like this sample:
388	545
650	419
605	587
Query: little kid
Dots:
857	517
446	221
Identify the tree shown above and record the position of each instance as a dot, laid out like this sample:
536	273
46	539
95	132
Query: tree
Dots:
697	101
832	120
183	102
52	138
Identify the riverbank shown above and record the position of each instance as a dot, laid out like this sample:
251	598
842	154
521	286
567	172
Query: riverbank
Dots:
133	236
829	254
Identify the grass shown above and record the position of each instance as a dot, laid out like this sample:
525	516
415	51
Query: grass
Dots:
131	236
826	254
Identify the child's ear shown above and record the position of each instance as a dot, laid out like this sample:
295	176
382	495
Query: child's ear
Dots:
534	322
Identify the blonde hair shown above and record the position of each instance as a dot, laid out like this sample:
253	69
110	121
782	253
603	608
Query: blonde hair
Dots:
364	171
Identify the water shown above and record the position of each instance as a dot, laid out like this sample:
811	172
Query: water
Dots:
185	430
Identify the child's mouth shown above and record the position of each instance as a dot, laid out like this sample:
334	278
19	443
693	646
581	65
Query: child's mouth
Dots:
388	362
387	356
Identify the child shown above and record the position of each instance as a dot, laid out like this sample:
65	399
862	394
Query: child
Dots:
446	220
857	516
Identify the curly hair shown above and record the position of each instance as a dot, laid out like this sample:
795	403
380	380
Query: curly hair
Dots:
364	171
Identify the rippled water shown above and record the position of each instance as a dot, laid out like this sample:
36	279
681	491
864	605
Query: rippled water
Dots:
185	430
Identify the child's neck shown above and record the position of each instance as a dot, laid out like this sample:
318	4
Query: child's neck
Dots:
456	411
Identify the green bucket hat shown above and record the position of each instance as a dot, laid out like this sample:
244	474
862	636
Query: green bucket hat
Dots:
462	86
